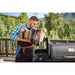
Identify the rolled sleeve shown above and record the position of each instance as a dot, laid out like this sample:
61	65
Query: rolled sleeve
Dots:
15	33
13	37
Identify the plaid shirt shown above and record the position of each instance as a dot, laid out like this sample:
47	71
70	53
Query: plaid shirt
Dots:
15	32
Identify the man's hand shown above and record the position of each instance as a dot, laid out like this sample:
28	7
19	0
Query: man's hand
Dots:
24	40
44	30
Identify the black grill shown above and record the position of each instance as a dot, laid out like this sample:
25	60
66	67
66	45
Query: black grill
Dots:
56	52
62	52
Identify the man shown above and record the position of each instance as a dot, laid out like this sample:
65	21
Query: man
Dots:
28	54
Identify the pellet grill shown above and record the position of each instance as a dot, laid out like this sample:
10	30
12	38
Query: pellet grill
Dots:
55	52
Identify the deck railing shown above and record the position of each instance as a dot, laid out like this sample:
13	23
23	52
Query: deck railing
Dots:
8	47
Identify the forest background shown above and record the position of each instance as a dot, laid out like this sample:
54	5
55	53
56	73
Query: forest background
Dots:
59	25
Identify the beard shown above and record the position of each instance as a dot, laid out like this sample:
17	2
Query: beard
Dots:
30	26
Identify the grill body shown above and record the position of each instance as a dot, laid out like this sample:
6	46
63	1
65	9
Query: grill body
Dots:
62	52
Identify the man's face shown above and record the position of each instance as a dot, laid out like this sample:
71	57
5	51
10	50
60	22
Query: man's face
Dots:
33	23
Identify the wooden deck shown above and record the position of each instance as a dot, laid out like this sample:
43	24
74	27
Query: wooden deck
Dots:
7	59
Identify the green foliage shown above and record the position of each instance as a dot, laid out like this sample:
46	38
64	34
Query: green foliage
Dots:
8	23
50	21
41	24
23	18
53	35
67	30
56	27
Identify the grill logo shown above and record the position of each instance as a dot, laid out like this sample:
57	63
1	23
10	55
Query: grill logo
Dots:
71	50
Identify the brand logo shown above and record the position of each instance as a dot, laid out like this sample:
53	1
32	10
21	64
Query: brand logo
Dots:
71	49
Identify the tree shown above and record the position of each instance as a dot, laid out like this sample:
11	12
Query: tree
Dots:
60	31
50	21
23	18
40	24
8	23
67	30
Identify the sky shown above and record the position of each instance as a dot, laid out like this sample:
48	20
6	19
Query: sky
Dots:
29	14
